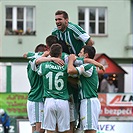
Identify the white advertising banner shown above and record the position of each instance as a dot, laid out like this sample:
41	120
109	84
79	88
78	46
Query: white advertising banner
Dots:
115	127
103	127
25	127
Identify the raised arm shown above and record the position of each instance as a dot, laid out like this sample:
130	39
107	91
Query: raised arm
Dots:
87	60
45	59
90	42
71	69
25	55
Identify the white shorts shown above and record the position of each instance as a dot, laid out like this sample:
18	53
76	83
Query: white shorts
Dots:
56	111
35	112
89	113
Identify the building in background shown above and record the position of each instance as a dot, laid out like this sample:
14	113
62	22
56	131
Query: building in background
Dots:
24	24
112	71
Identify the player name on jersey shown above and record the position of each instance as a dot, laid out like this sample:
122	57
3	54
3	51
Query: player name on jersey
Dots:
54	67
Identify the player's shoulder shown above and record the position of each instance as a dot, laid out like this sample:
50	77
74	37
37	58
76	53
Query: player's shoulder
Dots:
71	25
54	30
74	27
64	54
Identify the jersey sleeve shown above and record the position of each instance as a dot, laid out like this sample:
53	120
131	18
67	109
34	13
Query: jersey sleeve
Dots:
79	61
84	37
39	70
80	33
31	55
54	31
64	57
33	64
85	70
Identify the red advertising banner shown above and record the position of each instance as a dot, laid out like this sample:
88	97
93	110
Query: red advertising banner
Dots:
103	99
116	104
116	111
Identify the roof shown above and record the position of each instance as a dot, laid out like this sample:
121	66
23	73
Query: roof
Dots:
110	65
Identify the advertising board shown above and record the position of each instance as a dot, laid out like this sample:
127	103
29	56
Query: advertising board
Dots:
103	127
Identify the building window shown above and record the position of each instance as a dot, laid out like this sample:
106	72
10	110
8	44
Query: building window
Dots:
93	20
20	20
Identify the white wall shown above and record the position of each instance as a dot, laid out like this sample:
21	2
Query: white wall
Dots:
128	77
2	77
20	81
19	78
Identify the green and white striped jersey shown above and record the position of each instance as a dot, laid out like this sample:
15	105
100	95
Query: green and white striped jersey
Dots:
74	36
31	55
89	81
55	80
36	82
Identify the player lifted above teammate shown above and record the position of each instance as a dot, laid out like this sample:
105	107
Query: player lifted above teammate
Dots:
73	35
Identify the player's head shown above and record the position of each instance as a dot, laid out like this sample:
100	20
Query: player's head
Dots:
61	12
87	52
61	19
51	39
40	48
56	50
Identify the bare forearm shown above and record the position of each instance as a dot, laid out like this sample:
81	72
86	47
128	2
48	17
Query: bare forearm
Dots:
71	69
43	59
87	60
90	42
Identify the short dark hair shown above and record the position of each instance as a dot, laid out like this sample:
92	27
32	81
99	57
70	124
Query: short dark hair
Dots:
65	47
51	39
90	50
40	48
55	50
59	12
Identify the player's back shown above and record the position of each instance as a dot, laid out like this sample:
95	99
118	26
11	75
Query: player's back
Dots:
54	80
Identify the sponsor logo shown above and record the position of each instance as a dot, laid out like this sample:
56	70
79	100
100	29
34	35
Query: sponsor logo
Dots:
116	111
120	100
107	127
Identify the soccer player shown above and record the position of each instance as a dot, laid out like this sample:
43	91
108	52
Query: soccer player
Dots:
56	106
89	105
73	35
35	96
